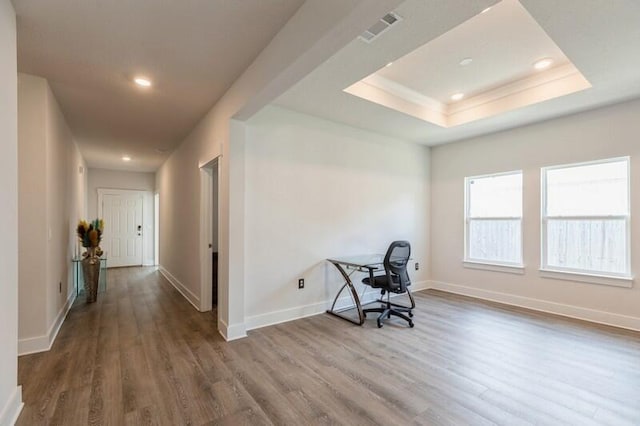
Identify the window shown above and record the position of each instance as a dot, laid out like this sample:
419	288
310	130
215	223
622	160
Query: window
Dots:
585	218
493	219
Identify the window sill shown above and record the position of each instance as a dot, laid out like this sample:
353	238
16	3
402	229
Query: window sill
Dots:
626	282
495	267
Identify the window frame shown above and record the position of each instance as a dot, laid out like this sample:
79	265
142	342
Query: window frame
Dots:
623	279
497	266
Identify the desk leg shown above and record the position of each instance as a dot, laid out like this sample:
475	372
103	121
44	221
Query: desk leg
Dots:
354	295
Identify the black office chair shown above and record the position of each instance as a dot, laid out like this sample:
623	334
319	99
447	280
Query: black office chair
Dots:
395	280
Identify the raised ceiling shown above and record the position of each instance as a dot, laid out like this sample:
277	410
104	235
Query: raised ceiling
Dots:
434	83
600	39
192	50
503	43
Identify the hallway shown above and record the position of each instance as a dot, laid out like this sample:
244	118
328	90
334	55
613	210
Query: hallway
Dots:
128	359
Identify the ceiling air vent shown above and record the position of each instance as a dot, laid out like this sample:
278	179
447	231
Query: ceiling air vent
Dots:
380	27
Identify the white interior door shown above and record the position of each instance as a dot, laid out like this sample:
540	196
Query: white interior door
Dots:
122	238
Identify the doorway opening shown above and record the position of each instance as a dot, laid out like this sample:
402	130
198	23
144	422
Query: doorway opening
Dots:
209	218
156	229
214	236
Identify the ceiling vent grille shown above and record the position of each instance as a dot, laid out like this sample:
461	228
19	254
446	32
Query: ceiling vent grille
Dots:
383	25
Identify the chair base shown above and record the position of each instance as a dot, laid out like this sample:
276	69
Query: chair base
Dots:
392	309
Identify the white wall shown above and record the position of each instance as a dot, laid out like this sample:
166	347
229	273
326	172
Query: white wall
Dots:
62	205
316	189
112	179
310	37
604	133
116	179
32	202
10	394
50	181
78	188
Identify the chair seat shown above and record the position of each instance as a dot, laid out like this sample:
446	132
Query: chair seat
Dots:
380	281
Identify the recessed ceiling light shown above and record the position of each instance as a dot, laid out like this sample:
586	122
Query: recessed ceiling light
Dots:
466	61
457	96
486	10
543	63
126	158
142	81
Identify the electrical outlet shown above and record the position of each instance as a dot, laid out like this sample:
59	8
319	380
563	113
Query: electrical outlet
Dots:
301	283
417	266
60	286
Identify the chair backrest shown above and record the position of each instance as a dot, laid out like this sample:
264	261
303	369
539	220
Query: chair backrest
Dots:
395	263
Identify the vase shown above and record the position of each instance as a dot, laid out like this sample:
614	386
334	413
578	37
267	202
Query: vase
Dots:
91	271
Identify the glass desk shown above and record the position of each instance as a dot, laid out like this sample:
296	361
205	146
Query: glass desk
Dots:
78	276
368	263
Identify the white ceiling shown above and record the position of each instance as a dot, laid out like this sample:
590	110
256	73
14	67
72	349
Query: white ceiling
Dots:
89	50
502	77
504	43
601	38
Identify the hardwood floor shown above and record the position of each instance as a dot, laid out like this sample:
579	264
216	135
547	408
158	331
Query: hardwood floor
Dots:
143	355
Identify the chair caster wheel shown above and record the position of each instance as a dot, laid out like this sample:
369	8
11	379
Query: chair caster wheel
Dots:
379	324
411	324
410	314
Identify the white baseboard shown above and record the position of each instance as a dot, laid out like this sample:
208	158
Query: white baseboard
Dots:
182	289
298	312
233	332
12	408
586	314
43	343
420	285
284	315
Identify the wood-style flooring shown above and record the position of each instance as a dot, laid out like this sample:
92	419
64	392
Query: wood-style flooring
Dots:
142	355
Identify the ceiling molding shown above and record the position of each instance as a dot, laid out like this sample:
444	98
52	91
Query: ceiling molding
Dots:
405	93
545	85
520	94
